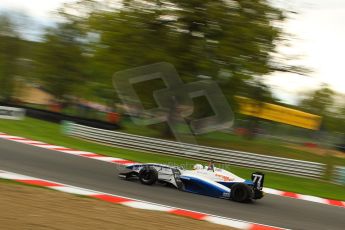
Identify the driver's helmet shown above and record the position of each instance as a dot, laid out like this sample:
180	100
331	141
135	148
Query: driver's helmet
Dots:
197	167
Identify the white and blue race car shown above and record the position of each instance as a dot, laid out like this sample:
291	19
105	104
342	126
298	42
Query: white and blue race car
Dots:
208	180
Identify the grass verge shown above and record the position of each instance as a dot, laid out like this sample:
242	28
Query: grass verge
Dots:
51	133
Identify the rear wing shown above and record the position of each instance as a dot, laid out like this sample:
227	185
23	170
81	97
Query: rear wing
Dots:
258	180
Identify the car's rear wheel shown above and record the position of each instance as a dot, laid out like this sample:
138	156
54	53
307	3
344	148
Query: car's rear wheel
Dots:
148	175
258	194
241	192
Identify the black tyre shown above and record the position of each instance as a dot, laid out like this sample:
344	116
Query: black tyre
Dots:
241	192
258	194
148	175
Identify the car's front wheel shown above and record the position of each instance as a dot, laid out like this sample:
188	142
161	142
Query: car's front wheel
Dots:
148	175
241	192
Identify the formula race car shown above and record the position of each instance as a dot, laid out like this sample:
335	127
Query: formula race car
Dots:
208	180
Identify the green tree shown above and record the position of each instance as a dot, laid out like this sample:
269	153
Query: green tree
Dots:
319	101
199	37
60	61
335	120
10	49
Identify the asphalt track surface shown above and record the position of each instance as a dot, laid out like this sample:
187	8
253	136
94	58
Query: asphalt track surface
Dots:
102	176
